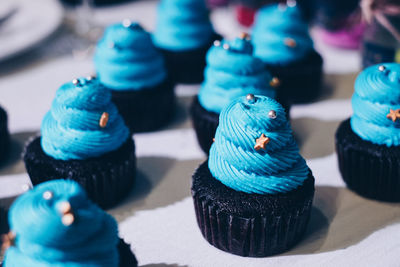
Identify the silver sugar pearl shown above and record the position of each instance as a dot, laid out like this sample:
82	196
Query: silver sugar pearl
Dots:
126	23
111	45
251	98
89	78
47	195
382	68
291	3
272	114
217	43
226	46
25	187
75	81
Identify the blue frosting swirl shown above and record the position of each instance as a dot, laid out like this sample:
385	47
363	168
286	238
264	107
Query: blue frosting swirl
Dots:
71	130
182	25
42	240
237	164
377	91
126	59
231	73
274	28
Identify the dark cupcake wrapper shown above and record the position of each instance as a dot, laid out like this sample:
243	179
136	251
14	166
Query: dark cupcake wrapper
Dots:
373	54
370	170
250	224
205	122
300	81
126	256
147	109
4	135
187	67
107	179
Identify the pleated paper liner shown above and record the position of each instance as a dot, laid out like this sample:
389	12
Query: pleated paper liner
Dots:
205	124
107	179
370	170
147	109
4	135
126	257
250	225
187	67
300	81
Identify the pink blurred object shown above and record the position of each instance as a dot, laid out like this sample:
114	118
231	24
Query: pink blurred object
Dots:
245	15
349	37
217	3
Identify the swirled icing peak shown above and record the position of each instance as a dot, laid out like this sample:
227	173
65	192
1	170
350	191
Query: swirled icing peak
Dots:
82	122
126	58
254	149
376	104
281	34
182	25
233	71
43	239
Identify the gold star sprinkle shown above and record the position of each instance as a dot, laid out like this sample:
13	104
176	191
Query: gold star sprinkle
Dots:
104	119
244	36
393	115
261	142
290	42
275	82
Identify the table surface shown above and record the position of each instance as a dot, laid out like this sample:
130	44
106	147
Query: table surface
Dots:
158	217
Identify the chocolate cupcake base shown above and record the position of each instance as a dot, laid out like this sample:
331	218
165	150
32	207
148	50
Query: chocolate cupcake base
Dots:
107	179
301	81
250	224
205	123
187	67
4	135
126	257
147	109
370	170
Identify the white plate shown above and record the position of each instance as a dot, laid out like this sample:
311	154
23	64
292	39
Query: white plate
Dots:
30	25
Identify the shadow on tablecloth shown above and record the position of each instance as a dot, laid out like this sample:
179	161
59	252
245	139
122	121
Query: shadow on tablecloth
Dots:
340	219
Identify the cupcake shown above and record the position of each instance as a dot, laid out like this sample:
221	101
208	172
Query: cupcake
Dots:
368	144
281	39
381	41
184	33
4	135
84	139
253	196
333	15
129	65
231	71
55	224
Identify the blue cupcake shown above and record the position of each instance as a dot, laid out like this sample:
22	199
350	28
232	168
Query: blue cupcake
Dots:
85	139
368	144
55	224
281	39
254	159
129	65
183	34
232	71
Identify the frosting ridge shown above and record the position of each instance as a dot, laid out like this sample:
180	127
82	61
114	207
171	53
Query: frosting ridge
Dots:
71	129
234	159
43	240
126	59
377	92
281	34
231	73
182	25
